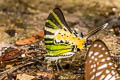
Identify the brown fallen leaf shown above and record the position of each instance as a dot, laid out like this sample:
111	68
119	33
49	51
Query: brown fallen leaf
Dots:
48	75
12	54
32	39
24	77
9	66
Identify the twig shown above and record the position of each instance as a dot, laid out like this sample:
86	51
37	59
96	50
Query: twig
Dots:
9	71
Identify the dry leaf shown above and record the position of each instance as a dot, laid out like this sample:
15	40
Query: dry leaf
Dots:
24	77
31	40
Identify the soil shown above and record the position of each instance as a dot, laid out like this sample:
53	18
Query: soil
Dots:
21	19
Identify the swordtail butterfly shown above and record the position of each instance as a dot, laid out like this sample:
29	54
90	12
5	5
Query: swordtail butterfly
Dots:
60	40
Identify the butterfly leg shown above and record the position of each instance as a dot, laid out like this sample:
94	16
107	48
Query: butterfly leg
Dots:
60	65
56	63
73	59
48	66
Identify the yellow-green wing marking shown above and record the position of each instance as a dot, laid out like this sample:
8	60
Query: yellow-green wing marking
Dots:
54	26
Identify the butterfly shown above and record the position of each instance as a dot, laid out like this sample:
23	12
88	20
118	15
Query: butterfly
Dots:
99	64
60	40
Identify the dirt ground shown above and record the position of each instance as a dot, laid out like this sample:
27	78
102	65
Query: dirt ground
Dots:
21	19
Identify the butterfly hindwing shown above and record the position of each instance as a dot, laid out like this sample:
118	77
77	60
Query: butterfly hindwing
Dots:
99	64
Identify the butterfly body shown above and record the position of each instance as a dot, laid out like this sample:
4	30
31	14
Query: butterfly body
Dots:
99	64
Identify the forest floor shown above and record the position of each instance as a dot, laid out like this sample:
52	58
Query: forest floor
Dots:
24	19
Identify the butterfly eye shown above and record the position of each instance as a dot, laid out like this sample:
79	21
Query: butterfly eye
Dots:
99	65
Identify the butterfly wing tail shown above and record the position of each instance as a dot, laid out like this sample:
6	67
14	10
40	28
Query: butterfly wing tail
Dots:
96	30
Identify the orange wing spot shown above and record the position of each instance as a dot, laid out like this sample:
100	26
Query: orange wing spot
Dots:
80	46
58	37
81	43
71	37
76	39
64	38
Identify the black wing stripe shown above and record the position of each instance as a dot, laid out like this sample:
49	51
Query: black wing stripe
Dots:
48	39
51	18
59	13
58	49
48	33
48	25
49	44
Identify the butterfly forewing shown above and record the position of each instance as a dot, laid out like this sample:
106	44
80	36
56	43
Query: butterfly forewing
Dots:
99	65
